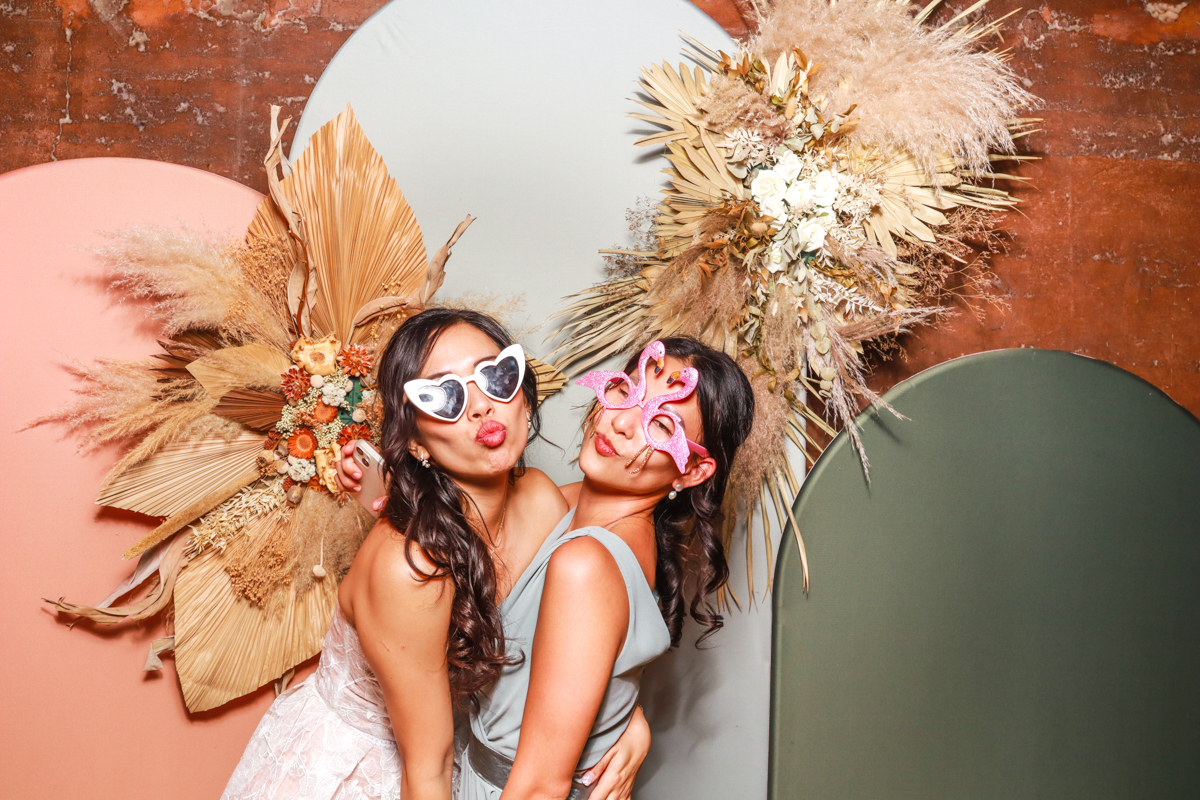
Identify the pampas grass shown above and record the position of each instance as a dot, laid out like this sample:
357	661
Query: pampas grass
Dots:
125	402
730	104
183	273
924	90
332	536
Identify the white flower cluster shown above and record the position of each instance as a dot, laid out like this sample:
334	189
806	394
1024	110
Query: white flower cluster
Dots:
334	391
800	196
301	469
809	199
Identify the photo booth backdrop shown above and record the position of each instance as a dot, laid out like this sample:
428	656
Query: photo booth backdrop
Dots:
520	118
78	717
1009	610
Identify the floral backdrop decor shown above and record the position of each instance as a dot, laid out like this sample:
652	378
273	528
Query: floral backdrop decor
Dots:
268	365
832	184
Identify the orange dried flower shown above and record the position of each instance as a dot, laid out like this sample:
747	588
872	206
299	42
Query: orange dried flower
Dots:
288	483
352	432
302	443
272	439
356	360
295	384
324	414
314	483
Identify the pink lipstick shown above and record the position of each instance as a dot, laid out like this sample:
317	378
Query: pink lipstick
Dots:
603	446
491	434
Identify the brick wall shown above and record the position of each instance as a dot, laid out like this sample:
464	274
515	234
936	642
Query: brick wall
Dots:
1106	263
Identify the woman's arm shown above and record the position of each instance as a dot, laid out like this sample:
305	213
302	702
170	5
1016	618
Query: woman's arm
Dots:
403	624
582	621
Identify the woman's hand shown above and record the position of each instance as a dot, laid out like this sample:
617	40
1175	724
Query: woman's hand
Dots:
615	773
349	474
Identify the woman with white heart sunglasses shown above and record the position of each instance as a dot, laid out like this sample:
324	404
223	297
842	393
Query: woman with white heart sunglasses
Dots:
417	628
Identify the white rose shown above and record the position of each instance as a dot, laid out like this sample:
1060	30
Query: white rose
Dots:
788	167
775	259
767	185
825	189
799	195
810	234
775	208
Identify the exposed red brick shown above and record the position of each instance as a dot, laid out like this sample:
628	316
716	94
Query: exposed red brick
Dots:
1104	264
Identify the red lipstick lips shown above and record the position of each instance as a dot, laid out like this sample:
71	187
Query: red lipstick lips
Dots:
491	434
603	446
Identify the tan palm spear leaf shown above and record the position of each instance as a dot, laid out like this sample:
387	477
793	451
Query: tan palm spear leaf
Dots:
360	234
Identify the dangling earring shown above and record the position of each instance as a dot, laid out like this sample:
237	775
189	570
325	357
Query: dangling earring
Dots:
671	495
425	462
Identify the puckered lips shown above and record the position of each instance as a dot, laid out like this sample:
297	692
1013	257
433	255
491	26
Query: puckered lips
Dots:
603	446
491	434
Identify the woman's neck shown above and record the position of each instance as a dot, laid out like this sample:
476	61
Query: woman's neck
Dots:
488	496
604	507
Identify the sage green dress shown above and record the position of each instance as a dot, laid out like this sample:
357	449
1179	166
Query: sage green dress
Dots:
497	721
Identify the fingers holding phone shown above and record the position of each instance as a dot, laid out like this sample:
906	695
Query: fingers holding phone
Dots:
361	472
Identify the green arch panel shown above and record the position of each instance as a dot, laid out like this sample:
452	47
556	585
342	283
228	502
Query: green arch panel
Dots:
1011	608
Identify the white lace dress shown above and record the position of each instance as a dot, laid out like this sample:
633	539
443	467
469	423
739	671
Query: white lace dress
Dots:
327	738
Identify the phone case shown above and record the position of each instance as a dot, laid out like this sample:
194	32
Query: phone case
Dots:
374	485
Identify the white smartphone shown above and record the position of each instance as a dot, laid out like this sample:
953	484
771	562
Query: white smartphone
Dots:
374	484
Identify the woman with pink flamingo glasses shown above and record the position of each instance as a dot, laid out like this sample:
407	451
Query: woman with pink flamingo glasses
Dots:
604	595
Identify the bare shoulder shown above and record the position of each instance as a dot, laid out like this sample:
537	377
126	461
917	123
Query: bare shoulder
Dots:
584	565
390	569
570	493
541	494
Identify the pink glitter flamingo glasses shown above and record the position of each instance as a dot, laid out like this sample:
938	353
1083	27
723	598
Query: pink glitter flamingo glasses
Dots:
615	390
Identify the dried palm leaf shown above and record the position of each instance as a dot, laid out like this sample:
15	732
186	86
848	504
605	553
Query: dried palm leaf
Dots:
253	408
549	378
255	365
180	474
225	645
360	233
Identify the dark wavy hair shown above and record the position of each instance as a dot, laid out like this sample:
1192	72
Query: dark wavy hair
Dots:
429	508
687	529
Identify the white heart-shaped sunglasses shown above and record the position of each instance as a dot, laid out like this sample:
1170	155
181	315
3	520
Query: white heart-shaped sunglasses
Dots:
445	398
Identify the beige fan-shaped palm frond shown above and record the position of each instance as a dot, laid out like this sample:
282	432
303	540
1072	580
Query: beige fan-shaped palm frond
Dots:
181	473
225	644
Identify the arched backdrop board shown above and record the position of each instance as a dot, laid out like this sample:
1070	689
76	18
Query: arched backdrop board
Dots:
78	717
1010	609
517	113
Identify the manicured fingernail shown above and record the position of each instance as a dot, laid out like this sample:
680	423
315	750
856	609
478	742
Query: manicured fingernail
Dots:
356	489
357	475
587	778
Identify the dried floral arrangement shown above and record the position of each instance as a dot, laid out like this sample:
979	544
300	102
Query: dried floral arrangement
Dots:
267	367
831	185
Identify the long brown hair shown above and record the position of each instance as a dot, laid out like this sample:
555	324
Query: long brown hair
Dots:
430	508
